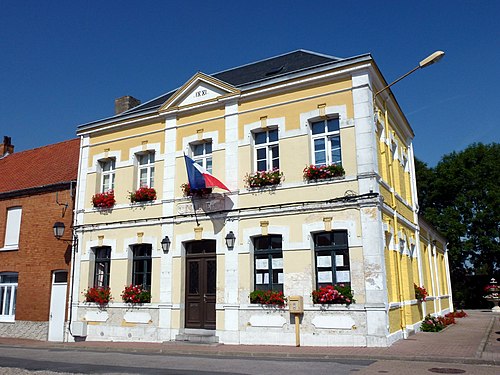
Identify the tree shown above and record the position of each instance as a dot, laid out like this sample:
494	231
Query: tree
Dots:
461	197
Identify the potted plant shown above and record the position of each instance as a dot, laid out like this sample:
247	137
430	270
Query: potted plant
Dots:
268	297
493	295
143	194
188	192
98	294
333	294
323	172
263	178
136	294
420	293
104	200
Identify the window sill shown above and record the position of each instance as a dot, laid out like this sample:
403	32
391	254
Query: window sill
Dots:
7	319
9	248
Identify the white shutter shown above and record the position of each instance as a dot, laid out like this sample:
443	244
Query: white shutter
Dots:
13	227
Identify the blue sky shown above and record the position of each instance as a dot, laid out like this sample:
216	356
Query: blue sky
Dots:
64	62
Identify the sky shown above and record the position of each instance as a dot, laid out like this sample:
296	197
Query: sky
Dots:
62	63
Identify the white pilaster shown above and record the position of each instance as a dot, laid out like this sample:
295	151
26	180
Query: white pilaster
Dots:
169	166
366	147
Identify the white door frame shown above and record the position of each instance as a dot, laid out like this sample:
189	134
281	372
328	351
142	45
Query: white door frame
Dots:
57	315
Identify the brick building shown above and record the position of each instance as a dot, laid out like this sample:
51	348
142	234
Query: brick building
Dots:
36	190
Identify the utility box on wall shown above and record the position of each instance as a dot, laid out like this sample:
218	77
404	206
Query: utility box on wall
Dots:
296	304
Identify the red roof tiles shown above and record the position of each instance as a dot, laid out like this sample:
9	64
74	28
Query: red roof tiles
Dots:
47	165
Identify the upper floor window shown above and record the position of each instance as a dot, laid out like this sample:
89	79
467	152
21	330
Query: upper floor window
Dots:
146	169
267	153
326	142
107	174
332	258
102	266
202	154
142	263
268	258
13	228
8	295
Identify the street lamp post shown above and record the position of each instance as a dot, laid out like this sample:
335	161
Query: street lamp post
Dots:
429	60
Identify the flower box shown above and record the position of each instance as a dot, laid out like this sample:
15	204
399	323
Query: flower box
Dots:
188	192
98	294
268	297
263	178
136	294
143	194
420	293
333	294
104	200
323	172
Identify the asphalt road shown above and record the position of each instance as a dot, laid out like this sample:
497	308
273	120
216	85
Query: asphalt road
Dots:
29	361
17	360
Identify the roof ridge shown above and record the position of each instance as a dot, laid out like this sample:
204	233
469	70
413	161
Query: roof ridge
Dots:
270	58
40	147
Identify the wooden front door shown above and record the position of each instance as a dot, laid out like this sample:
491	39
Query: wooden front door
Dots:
201	267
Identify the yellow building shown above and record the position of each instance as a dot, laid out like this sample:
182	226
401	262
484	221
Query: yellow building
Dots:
322	192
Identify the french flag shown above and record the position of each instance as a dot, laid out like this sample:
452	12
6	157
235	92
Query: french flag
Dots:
199	177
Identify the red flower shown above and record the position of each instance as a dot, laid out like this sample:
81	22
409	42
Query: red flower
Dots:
135	294
268	297
322	172
143	194
263	178
98	294
104	200
333	294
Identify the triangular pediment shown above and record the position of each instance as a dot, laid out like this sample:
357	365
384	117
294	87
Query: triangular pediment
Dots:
201	88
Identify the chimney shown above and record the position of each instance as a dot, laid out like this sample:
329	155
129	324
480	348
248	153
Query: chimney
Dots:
125	103
6	147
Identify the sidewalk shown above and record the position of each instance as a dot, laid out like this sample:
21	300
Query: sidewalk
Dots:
472	340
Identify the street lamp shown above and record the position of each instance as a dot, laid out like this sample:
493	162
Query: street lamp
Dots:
58	229
165	244
429	60
230	240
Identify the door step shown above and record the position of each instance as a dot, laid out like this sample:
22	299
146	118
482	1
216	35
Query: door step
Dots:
197	336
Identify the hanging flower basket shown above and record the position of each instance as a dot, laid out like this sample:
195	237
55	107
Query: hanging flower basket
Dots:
323	172
136	294
104	200
268	297
263	178
188	192
143	194
333	294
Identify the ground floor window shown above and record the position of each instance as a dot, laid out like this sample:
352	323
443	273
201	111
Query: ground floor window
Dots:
331	252
8	294
268	263
102	266
142	263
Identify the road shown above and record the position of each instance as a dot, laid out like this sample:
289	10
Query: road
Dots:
16	361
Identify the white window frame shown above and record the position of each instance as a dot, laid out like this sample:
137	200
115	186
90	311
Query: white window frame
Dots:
107	173
326	136
205	158
12	228
148	167
269	146
8	306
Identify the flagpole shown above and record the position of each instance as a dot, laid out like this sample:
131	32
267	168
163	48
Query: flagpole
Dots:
192	192
194	209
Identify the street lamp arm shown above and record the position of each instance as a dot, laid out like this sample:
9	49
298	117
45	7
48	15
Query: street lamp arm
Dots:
397	80
429	60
